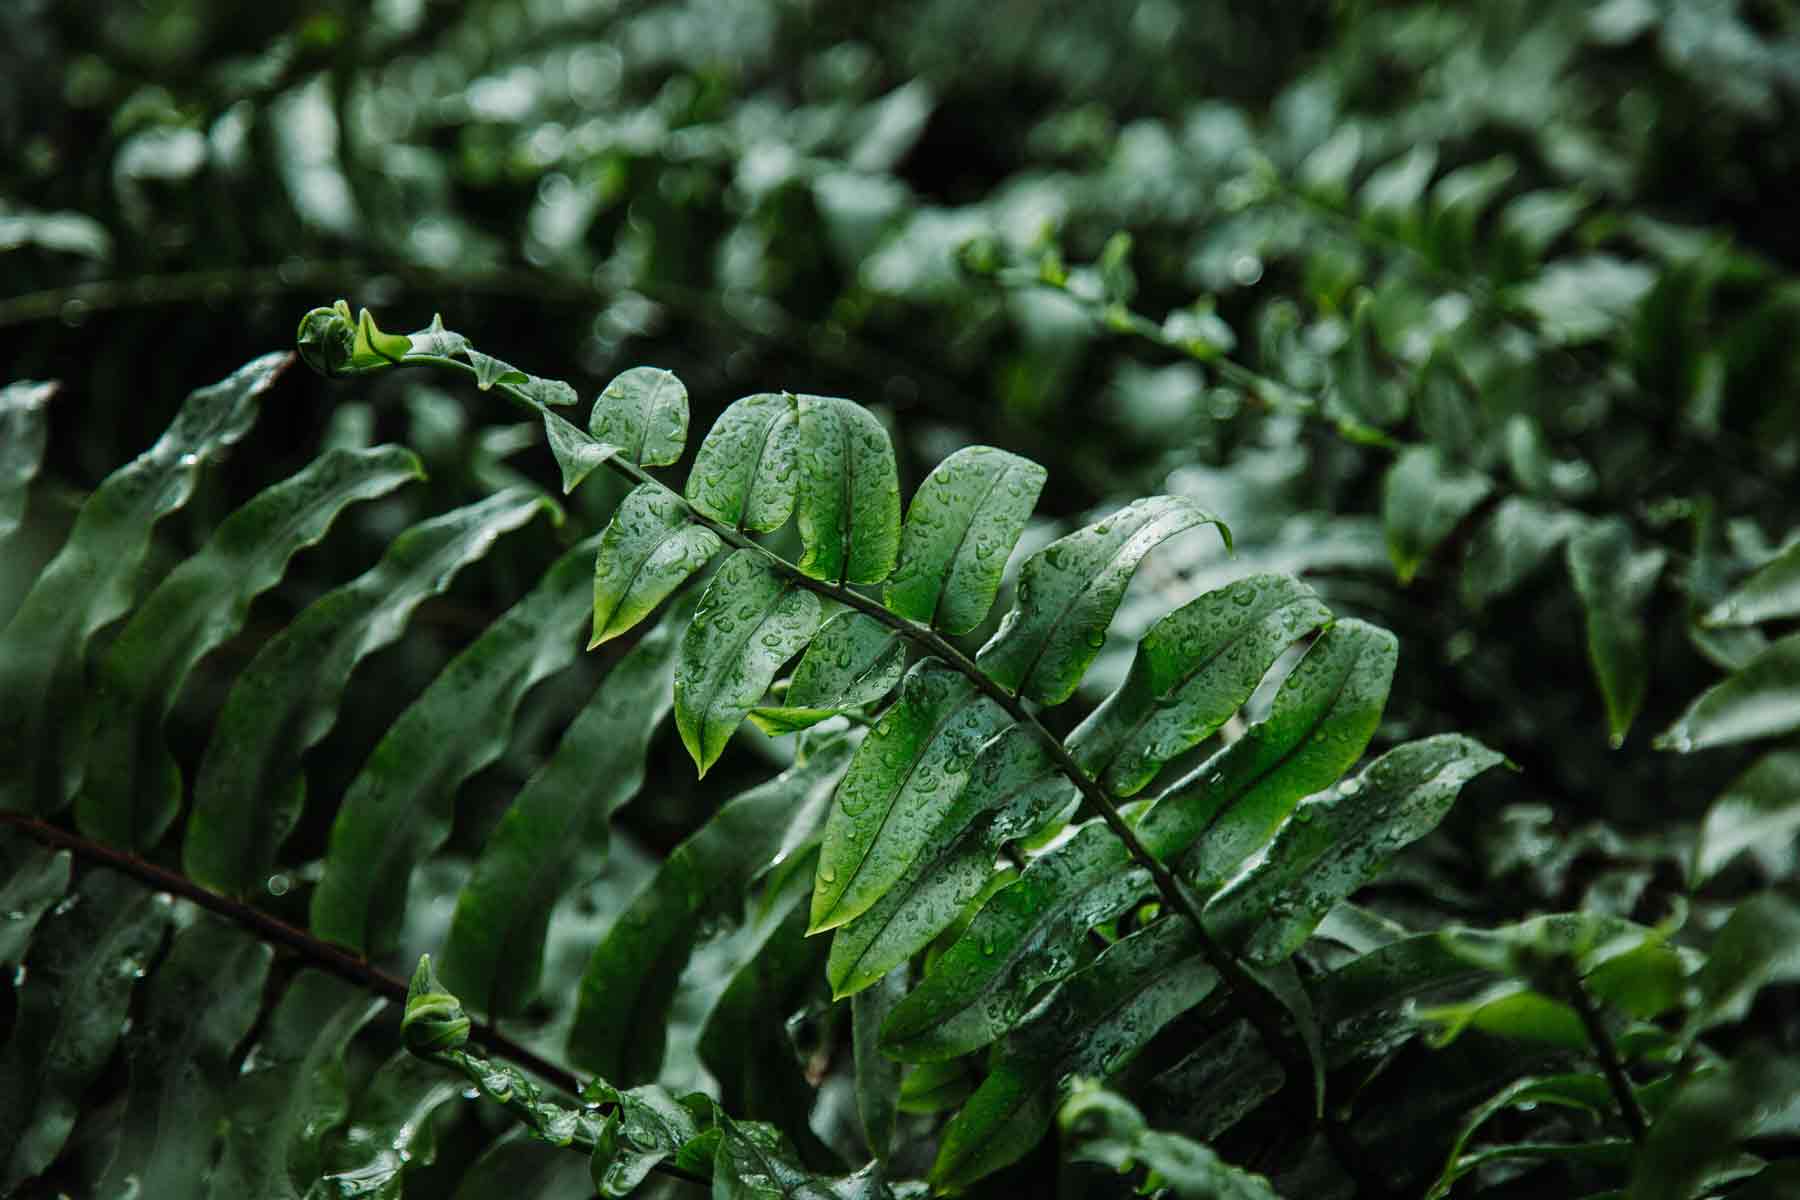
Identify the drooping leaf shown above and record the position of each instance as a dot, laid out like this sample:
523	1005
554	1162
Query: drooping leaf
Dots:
556	828
745	473
1193	670
961	527
250	788
904	778
1760	700
291	1092
848	502
399	808
649	549
1761	807
131	788
750	621
1096	1024
644	411
1584	1092
91	582
854	660
390	1130
1614	581
1337	840
623	1010
33	878
577	454
86	958
877	1076
201	1003
1103	1127
1424	498
1068	592
24	432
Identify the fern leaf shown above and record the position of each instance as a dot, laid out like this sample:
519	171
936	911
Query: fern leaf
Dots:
644	412
131	789
877	1076
399	808
90	583
390	1130
848	499
87	957
577	454
1102	1127
905	776
556	828
649	549
745	472
1068	592
200	1005
750	621
24	432
647	1127
961	528
855	660
623	1011
1193	670
755	1162
32	880
250	787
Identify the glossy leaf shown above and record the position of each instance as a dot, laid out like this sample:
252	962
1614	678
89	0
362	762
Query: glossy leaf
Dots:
1424	499
1068	592
390	1131
1761	807
647	1126
1614	581
905	777
1192	672
398	810
848	502
960	530
649	549
250	787
750	621
577	454
131	789
623	1009
24	432
32	879
1761	700
1103	1127
199	1006
1771	594
855	660
755	1162
86	959
557	827
644	411
1338	840
1759	945
746	473
92	580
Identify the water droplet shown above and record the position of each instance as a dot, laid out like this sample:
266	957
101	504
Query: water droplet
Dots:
190	459
279	885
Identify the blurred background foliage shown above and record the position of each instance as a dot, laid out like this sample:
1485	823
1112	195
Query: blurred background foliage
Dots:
1481	317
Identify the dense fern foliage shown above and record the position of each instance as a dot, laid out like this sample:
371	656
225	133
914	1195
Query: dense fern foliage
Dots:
1282	682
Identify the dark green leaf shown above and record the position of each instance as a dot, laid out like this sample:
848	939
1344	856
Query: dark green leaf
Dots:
1424	498
1586	1092
1102	1127
755	1162
745	472
648	551
1365	393
645	412
24	431
1614	581
1512	544
523	1166
390	1131
1761	700
877	1076
250	788
32	879
1699	1131
647	1126
848	504
1068	592
855	660
960	529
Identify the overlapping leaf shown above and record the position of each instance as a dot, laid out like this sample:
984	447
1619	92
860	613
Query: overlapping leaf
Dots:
855	660
650	548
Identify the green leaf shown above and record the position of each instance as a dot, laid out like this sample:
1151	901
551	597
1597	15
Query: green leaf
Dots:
645	411
1364	392
750	621
1392	196
905	777
24	432
1511	545
649	549
877	1076
1771	594
291	1091
86	958
755	1162
577	455
32	879
1761	807
960	529
1699	1130
848	504
1760	700
1338	840
745	472
647	1126
398	810
1193	670
854	661
250	787
557	827
1321	719
1509	1010
131	789
1103	1127
1068	592
390	1130
623	1011
1012	788
1759	945
1424	498
1458	201
936	1087
1096	1024
92	581
1588	1093
201	1003
1614	582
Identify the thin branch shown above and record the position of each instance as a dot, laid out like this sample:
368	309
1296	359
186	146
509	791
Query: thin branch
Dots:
1607	1051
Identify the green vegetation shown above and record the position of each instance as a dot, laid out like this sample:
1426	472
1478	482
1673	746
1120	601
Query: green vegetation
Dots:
1280	679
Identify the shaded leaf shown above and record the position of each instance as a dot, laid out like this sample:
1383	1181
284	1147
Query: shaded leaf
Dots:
877	1076
1511	545
1757	946
1103	1127
644	411
32	879
1589	1093
390	1130
1699	1130
24	431
1760	700
1424	498
1614	581
647	1126
848	503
